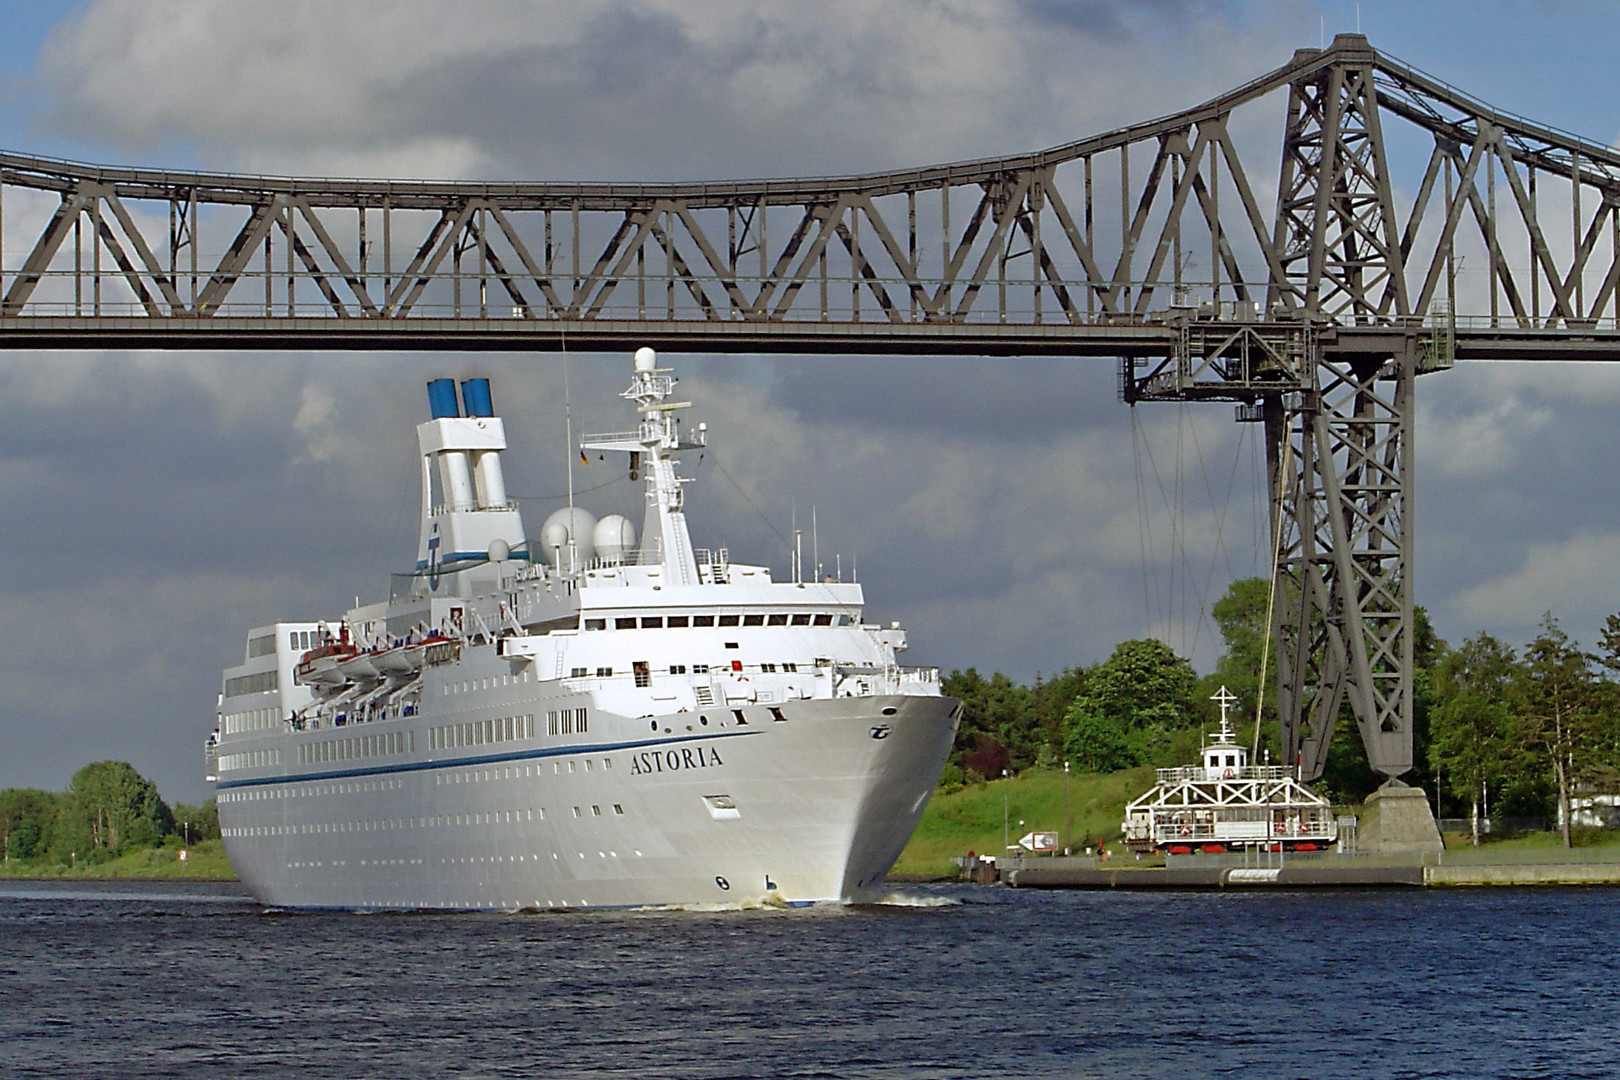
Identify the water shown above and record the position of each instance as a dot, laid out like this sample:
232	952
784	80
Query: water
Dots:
183	980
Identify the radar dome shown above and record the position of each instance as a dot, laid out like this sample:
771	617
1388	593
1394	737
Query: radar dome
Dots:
499	551
569	524
646	359
614	536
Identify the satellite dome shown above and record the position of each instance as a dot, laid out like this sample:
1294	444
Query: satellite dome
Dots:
646	359
571	523
613	537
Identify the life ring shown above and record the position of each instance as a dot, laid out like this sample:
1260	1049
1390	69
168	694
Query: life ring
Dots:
1231	774
1186	830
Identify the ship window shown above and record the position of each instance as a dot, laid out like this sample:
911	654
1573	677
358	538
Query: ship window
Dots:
625	622
579	720
596	624
677	669
551	722
700	669
732	645
652	622
767	668
823	620
729	620
844	620
790	666
753	620
576	811
643	673
604	673
778	620
578	673
596	811
617	809
677	622
738	713
703	620
801	620
776	714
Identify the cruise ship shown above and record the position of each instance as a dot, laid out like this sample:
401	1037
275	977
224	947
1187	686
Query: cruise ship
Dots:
578	719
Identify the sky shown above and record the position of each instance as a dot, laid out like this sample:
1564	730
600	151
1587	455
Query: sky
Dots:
1009	512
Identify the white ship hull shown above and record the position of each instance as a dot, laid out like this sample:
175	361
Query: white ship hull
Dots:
820	805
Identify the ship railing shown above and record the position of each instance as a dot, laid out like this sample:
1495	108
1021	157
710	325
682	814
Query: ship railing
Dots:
717	562
1169	830
611	436
1247	772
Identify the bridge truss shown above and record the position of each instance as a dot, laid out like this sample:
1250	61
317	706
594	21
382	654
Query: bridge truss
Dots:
1396	226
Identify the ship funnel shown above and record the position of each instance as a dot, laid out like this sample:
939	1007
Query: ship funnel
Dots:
442	399
475	396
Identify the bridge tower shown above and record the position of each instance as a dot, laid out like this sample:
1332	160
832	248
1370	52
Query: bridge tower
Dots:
1340	444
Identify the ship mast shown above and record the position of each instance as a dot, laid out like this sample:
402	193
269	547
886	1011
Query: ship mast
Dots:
665	540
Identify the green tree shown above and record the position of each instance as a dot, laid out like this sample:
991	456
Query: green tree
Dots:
194	823
108	809
995	731
1240	616
1470	731
26	818
1557	695
1140	696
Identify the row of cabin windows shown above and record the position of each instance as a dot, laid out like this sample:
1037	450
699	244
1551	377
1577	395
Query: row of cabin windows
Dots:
490	683
643	670
480	732
249	759
304	640
566	722
298	790
493	817
360	746
251	720
682	622
257	683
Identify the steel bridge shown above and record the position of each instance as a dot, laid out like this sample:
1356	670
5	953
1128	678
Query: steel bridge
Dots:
1305	246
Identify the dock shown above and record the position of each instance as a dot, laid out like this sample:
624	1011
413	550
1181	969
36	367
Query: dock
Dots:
1301	873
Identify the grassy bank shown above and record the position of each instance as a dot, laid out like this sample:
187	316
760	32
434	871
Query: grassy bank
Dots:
204	861
971	818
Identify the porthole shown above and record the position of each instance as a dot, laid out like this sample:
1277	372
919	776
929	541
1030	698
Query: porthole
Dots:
889	710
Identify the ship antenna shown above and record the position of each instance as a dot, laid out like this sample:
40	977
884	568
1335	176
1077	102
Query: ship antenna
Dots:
815	547
568	434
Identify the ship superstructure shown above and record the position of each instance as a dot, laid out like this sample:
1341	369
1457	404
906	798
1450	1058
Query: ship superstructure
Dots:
576	718
1225	803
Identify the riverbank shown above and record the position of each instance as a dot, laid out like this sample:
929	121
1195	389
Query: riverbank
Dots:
203	861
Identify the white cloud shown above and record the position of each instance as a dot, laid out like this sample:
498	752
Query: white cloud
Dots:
647	88
1569	577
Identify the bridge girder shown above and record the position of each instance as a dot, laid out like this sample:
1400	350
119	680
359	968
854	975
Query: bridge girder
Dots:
1149	243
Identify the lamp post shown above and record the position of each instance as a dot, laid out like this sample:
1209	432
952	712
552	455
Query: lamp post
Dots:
1006	831
1066	826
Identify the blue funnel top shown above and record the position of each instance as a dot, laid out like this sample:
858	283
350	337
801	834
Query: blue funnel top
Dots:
442	399
475	395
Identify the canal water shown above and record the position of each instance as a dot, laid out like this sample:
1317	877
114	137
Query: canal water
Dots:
188	980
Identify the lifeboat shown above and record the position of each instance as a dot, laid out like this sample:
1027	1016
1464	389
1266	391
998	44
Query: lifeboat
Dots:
322	665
